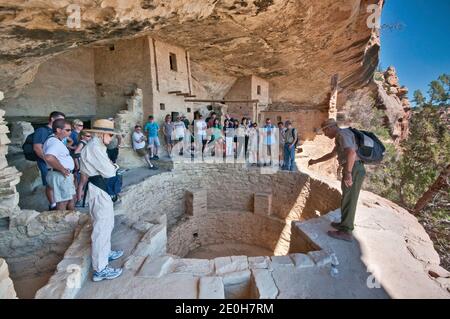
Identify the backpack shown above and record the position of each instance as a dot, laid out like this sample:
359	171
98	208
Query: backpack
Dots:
370	149
112	186
295	136
28	150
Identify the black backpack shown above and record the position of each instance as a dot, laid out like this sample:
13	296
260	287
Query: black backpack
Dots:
28	150
295	136
370	149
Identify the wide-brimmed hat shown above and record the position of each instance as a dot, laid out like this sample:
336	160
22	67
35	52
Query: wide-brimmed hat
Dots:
328	123
102	126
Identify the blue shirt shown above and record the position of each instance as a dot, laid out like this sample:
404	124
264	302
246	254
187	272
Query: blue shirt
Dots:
74	137
152	129
40	136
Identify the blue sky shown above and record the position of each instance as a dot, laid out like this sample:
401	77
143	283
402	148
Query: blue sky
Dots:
420	50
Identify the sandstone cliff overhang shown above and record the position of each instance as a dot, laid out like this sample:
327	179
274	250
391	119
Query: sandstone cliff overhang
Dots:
296	45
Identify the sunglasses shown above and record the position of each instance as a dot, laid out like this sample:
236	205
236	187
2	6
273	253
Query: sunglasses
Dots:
67	129
88	136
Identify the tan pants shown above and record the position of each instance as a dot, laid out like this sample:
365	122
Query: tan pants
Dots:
102	212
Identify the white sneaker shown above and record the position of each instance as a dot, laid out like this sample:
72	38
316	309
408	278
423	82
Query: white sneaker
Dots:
107	273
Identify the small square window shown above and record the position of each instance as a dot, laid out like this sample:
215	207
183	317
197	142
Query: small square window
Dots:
173	61
112	47
258	90
278	118
162	106
189	110
4	223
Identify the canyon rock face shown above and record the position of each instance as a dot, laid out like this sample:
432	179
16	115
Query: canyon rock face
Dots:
296	45
393	99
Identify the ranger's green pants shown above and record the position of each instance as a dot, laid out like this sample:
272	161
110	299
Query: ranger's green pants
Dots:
350	197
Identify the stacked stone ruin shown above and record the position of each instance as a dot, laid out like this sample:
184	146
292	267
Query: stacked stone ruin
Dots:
9	176
397	106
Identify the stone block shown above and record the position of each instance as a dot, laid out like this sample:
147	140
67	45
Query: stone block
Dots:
262	204
230	264
282	261
155	267
196	267
153	243
260	262
302	261
134	262
211	288
263	284
320	257
237	277
196	202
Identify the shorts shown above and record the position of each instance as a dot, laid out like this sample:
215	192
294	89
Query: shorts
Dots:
141	152
153	141
63	186
44	170
168	140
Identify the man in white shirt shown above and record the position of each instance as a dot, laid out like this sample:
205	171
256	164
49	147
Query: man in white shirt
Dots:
60	165
139	145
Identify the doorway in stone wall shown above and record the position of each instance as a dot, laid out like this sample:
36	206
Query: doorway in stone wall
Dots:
174	116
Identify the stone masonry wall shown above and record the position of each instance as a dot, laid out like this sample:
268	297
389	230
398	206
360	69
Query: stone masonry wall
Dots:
230	190
36	242
9	176
64	83
120	68
224	227
165	80
305	121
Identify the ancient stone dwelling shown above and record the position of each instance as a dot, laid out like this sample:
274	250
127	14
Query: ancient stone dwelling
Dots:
200	229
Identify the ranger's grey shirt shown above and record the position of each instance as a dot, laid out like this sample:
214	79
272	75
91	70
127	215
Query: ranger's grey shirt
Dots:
345	139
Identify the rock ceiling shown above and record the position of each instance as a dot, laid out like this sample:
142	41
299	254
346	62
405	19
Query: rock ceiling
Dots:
296	44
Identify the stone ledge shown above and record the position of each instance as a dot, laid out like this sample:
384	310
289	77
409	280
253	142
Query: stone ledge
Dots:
72	271
211	288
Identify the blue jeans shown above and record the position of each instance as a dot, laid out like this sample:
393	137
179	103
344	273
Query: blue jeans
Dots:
44	170
289	158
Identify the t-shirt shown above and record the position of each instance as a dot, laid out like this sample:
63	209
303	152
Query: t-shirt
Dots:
53	146
137	145
74	137
344	139
290	135
152	129
179	129
168	128
200	127
40	135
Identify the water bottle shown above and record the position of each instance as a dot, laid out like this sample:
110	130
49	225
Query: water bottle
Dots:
334	272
